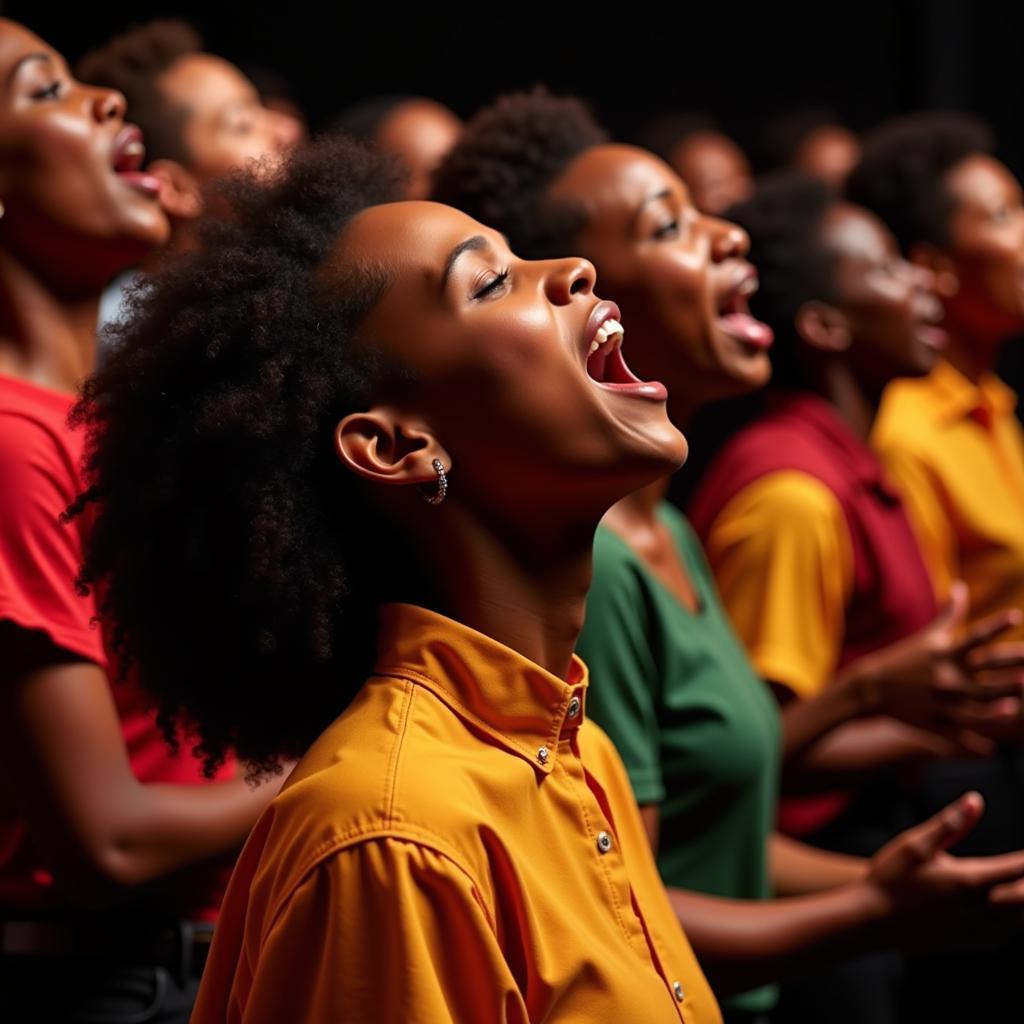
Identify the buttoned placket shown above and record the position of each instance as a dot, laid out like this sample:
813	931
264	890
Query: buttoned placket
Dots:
606	849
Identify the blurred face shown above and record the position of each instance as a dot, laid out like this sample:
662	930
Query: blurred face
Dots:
987	247
420	133
714	169
536	417
227	126
887	302
75	201
680	277
829	154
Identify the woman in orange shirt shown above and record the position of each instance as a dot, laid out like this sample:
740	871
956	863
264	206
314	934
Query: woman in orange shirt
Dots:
349	462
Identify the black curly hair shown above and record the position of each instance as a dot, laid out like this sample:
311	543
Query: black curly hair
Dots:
132	63
508	156
228	546
784	220
902	173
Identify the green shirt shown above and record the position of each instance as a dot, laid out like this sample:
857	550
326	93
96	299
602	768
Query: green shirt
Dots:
697	729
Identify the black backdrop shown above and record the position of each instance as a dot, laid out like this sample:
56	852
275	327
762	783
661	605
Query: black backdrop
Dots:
865	59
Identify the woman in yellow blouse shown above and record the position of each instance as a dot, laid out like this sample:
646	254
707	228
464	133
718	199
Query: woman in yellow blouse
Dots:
349	461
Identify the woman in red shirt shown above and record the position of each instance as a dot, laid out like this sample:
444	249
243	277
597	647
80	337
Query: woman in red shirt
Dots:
96	812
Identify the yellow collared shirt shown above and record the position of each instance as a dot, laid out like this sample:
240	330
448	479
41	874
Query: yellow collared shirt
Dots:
461	844
956	450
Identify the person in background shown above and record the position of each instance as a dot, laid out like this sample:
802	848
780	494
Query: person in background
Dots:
114	849
201	117
813	141
416	130
951	441
716	171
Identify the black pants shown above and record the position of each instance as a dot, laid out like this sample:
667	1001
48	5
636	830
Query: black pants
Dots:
54	990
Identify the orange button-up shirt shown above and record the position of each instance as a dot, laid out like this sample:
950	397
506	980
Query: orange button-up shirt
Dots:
461	844
956	451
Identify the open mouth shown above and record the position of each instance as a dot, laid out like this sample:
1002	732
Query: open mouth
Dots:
127	159
607	367
735	318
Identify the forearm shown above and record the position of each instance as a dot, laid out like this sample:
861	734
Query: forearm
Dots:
742	944
806	721
858	751
798	869
159	829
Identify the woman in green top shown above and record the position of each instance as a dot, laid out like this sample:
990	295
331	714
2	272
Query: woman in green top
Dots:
704	757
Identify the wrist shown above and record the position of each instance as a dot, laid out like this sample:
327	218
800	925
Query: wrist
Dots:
861	683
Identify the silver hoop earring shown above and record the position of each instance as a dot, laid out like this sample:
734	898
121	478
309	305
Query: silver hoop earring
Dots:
442	484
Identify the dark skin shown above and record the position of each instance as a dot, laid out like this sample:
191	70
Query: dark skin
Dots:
673	270
715	169
980	272
70	223
419	132
494	555
227	129
828	153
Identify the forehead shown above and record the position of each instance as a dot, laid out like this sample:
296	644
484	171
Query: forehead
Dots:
410	240
617	179
852	232
202	80
16	42
981	178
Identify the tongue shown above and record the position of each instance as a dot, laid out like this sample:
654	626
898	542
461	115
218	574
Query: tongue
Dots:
743	327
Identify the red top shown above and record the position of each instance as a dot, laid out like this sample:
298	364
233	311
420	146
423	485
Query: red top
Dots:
892	594
39	559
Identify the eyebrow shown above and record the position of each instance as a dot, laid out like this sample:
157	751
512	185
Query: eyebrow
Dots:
21	63
472	244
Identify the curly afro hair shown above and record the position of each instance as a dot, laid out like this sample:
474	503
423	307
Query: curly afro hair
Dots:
902	173
132	63
509	154
226	543
784	220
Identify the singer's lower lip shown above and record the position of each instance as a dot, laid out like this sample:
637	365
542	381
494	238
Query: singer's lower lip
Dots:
141	181
652	389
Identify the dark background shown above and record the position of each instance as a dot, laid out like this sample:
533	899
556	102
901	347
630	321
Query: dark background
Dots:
743	62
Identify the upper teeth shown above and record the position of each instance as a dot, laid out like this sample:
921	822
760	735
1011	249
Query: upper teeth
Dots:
133	148
604	332
749	286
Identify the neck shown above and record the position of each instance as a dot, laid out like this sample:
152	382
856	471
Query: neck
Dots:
637	511
45	338
973	358
529	595
854	401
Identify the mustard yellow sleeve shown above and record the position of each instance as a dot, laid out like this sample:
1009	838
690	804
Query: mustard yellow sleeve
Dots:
782	558
387	931
929	518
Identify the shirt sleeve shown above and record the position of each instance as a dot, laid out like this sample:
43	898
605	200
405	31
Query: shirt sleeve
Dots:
782	558
40	556
386	930
931	522
624	681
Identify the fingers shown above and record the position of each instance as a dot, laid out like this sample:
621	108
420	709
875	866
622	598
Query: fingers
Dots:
983	872
969	714
943	830
954	611
1009	654
986	630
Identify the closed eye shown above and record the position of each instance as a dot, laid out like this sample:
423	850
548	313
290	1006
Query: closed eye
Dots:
495	282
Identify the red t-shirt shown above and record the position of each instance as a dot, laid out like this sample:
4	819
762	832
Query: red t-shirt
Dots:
40	460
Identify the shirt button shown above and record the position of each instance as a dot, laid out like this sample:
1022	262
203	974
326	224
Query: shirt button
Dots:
604	842
542	755
574	707
678	990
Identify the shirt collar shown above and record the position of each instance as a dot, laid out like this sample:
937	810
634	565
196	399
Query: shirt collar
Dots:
959	398
513	700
